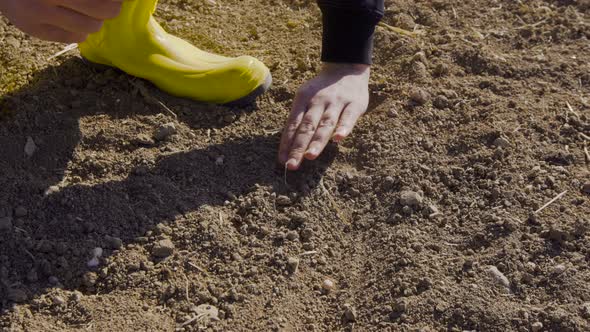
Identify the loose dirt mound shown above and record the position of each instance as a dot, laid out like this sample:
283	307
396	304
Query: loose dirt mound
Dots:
424	220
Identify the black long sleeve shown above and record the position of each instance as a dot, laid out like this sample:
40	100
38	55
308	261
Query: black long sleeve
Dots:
349	26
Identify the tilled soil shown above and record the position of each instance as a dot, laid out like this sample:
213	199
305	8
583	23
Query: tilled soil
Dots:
432	216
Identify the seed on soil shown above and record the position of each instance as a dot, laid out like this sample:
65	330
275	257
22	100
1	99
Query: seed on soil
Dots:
30	147
410	198
419	96
293	265
498	276
5	224
20	212
165	131
536	326
349	315
163	248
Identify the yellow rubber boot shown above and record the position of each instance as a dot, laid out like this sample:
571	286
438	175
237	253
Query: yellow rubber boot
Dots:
135	43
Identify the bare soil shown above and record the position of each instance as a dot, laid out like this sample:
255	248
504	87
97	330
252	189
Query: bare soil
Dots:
426	219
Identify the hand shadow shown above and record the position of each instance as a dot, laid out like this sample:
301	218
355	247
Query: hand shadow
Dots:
62	227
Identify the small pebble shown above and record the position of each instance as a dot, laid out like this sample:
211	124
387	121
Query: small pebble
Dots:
163	248
293	265
292	236
114	242
536	326
283	200
52	190
58	300
410	198
165	131
30	147
94	262
498	276
328	285
586	188
97	252
559	269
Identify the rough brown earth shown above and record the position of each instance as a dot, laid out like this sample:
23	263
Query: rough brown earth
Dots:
424	220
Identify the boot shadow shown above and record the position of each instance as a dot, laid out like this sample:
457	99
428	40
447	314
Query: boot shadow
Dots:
62	227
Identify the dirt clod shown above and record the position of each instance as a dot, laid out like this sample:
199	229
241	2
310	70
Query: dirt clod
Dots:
163	248
419	96
165	131
411	198
498	276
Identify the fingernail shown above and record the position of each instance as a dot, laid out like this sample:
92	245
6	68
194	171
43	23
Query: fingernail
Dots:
292	163
312	151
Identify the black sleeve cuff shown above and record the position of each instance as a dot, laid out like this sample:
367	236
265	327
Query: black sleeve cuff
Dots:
348	36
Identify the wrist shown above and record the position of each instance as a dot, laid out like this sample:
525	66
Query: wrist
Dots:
346	68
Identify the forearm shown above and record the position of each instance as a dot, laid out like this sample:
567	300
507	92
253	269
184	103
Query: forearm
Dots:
349	26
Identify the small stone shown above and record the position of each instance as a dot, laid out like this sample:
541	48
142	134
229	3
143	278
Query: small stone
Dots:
410	198
51	190
283	200
536	326
401	306
89	279
586	188
165	131
5	224
94	262
16	295
97	252
163	248
559	269
441	102
58	300
419	96
30	147
293	265
498	276
501	142
292	236
219	160
114	242
53	280
20	212
76	297
328	285
349	314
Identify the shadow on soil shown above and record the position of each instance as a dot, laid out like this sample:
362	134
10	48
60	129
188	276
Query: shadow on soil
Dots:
60	229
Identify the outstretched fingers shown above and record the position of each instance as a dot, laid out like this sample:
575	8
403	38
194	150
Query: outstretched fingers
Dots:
348	120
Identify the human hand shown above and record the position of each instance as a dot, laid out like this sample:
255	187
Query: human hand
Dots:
68	21
328	106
